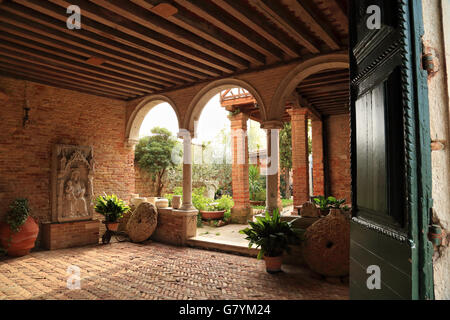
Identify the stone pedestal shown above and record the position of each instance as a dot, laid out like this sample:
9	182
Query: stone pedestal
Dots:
69	234
175	226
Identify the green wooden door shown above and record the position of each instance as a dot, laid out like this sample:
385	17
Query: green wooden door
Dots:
390	161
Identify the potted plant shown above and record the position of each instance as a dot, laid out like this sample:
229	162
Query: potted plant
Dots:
216	210
273	236
18	235
112	208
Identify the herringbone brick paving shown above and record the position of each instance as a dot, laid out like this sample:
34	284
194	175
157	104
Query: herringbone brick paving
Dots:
155	271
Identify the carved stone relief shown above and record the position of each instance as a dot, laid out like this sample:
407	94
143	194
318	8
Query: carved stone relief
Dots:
72	183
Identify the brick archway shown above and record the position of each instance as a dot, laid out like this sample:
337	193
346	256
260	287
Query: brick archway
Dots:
140	111
205	94
301	72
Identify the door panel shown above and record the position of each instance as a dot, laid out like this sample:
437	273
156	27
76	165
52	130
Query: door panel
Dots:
385	181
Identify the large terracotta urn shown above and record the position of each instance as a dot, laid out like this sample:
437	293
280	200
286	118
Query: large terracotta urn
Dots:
22	241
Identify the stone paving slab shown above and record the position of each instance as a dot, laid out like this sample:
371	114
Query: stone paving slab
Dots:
155	271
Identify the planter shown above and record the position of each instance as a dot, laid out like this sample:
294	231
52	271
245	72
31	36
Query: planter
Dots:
212	215
21	242
111	226
257	203
325	212
273	264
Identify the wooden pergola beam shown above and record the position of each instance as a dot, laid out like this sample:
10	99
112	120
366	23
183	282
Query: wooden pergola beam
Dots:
314	22
220	18
278	15
110	32
253	20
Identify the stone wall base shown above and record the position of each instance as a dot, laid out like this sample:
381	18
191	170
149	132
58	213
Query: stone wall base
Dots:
241	215
69	234
175	226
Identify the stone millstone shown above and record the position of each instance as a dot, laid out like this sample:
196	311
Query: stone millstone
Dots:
142	222
326	245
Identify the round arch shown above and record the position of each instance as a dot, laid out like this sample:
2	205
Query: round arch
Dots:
141	110
301	72
209	91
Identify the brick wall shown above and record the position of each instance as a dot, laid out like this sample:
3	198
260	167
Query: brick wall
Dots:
338	149
59	116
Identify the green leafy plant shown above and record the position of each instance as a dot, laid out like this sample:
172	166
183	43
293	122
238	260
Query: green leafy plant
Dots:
336	203
255	185
18	213
322	202
271	234
111	207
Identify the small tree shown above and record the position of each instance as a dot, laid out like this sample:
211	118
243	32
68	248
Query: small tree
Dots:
154	155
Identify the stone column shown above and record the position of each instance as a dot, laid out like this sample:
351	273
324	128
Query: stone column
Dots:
272	171
317	153
241	211
300	162
187	171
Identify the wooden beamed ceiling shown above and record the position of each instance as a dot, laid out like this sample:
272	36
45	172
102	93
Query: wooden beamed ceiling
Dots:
327	92
130	48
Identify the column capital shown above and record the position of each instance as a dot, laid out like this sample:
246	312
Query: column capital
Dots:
298	111
272	124
238	116
131	143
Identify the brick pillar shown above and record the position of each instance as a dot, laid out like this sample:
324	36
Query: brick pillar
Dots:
240	213
317	153
300	163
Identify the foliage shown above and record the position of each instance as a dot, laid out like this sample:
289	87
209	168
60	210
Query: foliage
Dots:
271	234
111	207
330	202
18	213
224	203
287	202
254	182
154	155
286	146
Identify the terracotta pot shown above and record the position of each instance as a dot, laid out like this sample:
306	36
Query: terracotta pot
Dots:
273	264
21	242
111	226
212	215
176	202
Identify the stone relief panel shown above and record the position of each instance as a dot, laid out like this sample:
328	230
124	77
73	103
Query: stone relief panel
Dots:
72	183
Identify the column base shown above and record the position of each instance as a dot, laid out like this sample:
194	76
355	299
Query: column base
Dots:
241	215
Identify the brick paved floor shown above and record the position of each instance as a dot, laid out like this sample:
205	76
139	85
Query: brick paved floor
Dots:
155	271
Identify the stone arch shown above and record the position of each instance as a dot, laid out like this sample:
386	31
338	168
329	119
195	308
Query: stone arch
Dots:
301	72
206	93
140	111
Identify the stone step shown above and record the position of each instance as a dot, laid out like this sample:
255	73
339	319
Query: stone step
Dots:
222	246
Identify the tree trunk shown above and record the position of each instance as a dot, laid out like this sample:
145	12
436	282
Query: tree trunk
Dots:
287	182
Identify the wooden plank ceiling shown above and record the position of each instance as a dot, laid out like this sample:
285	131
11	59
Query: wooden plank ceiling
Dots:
130	48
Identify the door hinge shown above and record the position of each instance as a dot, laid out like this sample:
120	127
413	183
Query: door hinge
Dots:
430	60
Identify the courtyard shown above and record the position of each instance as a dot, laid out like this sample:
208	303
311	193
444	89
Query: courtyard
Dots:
155	271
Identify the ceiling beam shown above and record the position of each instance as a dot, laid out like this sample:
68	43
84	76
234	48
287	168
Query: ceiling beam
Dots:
311	19
81	55
254	21
210	32
276	13
131	19
105	33
223	20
